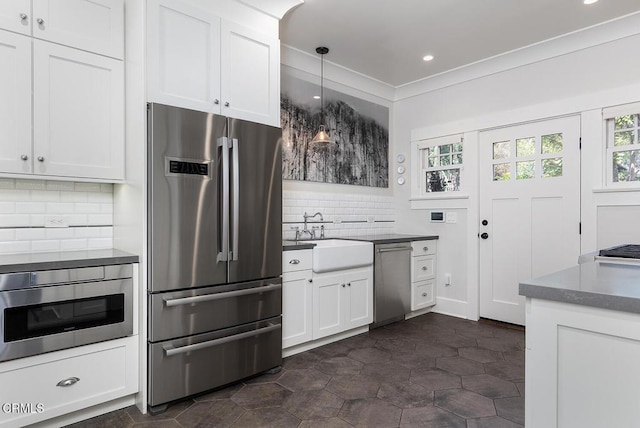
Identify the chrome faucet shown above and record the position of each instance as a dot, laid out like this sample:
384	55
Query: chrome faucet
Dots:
311	233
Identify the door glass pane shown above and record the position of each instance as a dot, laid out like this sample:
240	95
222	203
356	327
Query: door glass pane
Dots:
552	143
525	146
501	172
624	122
623	138
626	166
552	167
525	170
502	150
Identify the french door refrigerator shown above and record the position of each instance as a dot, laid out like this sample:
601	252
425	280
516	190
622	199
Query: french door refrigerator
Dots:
214	251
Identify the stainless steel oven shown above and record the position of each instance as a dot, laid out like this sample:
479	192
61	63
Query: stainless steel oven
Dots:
43	311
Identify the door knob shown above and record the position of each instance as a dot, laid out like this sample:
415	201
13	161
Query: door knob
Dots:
485	222
484	235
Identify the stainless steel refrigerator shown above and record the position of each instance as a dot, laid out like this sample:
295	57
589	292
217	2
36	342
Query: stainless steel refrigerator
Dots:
214	251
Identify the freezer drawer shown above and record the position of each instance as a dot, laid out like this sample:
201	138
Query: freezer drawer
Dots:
183	313
195	364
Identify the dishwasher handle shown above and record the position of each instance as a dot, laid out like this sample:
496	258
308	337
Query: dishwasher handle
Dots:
393	249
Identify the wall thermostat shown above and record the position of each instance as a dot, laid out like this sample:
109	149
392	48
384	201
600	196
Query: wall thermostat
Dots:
437	216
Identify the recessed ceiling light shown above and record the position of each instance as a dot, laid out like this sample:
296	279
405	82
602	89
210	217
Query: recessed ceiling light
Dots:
316	97
427	58
589	1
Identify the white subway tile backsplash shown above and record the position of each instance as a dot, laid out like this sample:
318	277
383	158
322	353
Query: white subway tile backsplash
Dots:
100	219
31	207
15	247
30	234
44	196
59	207
31	184
7	207
87	187
99	243
73	196
7	183
87	208
73	244
50	245
60	185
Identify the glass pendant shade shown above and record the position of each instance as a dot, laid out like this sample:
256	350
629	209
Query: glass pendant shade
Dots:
322	137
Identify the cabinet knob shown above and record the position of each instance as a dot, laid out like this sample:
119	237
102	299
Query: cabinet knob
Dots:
40	21
40	158
216	101
425	248
226	104
294	262
424	268
68	381
23	17
310	280
24	157
342	285
349	284
424	294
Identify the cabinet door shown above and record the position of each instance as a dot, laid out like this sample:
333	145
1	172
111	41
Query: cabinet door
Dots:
15	15
297	301
328	301
15	103
78	113
92	25
183	56
250	75
359	310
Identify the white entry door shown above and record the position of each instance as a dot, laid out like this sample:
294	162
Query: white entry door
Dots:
529	209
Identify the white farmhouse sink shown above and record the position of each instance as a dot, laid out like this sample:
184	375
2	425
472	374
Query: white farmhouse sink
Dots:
338	254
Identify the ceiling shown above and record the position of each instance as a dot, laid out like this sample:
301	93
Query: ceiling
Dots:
386	39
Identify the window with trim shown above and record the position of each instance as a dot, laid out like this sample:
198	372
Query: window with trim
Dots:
623	147
441	163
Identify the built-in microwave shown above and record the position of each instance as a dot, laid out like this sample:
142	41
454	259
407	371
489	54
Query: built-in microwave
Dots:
44	311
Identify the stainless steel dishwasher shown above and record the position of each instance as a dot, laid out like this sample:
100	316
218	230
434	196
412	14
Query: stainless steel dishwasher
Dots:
392	282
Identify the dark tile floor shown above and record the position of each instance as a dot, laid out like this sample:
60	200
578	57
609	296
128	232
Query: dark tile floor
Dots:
430	371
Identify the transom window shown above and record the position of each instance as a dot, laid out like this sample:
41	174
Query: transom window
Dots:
528	157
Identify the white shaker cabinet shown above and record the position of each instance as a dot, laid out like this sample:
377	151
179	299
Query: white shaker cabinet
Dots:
342	300
91	25
297	295
199	61
78	119
15	103
423	274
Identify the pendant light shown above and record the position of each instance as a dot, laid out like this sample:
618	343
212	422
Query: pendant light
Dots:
322	137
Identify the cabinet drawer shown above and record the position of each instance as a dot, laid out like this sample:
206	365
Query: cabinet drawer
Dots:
423	268
423	295
424	248
296	260
71	382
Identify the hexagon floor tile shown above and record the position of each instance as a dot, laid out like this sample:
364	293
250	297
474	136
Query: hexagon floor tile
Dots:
429	371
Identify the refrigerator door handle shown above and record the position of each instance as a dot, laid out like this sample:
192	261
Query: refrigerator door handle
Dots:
221	296
236	199
223	255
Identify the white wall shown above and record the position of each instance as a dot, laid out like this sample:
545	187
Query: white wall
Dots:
583	82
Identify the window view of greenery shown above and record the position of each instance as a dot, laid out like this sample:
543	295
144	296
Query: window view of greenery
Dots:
528	155
625	156
441	164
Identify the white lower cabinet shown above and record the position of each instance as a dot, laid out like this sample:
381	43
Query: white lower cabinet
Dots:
341	301
46	386
423	274
320	305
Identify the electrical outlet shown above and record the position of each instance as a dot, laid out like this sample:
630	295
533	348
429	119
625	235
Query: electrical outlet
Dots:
56	221
371	219
447	279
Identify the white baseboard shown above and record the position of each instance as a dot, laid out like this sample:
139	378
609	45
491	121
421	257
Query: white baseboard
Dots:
323	341
452	307
87	413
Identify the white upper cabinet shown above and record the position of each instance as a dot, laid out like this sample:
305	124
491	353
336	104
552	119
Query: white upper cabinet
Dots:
91	25
15	103
78	119
198	60
184	56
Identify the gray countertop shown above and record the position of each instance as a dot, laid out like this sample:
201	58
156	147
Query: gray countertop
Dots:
63	260
598	284
375	239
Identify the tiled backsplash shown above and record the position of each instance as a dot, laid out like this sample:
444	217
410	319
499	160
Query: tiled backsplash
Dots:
27	205
343	214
